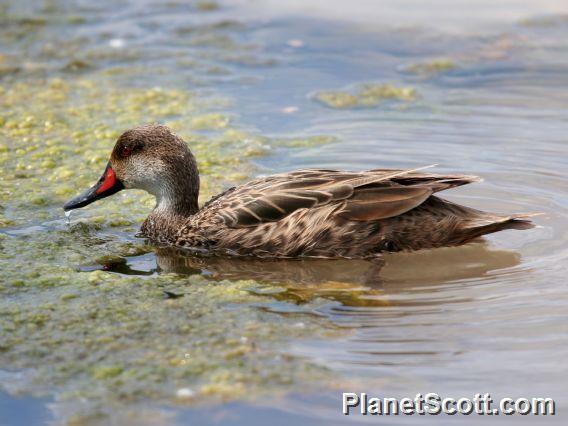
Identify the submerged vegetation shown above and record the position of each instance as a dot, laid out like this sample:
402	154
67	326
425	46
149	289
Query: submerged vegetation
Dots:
366	96
59	142
72	327
110	338
117	340
431	68
545	20
69	327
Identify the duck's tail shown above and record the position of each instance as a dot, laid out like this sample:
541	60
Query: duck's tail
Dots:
487	224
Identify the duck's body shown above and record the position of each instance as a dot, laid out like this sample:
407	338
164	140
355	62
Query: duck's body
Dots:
330	213
317	213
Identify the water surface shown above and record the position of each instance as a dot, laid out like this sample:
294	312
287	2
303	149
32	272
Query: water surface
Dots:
97	326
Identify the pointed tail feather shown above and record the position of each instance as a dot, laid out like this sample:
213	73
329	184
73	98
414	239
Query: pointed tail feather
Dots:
487	225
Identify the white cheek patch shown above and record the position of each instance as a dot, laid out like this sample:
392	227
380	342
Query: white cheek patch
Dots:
146	175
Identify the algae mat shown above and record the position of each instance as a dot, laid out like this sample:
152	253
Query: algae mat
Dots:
67	329
79	334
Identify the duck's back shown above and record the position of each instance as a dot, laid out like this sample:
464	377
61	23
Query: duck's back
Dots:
331	213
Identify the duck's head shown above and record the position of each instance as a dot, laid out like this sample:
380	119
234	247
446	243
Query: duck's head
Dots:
152	158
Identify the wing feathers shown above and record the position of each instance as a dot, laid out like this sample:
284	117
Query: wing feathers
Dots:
371	195
383	203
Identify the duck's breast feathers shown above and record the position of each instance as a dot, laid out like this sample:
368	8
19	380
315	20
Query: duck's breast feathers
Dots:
363	196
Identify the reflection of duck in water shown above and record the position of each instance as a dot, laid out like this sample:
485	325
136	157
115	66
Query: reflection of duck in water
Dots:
270	271
317	213
353	282
389	272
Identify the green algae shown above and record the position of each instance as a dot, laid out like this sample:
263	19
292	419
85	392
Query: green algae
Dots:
121	332
114	339
209	121
111	339
207	5
544	21
431	68
54	140
307	142
365	96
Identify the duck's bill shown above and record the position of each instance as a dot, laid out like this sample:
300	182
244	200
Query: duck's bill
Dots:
107	185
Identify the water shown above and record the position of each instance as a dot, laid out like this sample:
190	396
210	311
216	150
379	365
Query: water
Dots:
488	317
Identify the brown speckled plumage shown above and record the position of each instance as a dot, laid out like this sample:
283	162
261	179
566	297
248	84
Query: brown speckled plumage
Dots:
318	213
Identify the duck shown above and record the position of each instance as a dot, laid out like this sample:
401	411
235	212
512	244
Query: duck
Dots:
321	213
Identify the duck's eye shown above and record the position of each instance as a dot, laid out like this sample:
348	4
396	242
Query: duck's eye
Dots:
125	152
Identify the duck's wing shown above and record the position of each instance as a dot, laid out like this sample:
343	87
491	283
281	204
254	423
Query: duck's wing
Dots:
365	196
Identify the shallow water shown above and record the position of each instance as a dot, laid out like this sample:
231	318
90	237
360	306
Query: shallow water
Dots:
95	325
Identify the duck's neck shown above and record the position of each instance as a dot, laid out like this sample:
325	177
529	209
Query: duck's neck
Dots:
175	203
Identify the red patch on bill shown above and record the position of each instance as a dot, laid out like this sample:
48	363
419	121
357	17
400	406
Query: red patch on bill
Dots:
109	182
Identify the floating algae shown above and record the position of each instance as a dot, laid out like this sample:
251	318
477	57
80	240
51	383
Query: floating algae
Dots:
365	96
207	5
92	335
431	68
307	142
56	141
551	20
70	329
97	336
209	121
